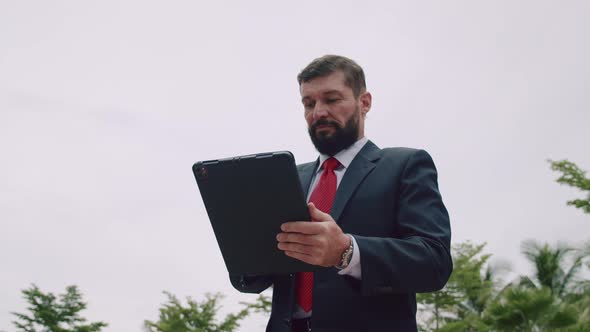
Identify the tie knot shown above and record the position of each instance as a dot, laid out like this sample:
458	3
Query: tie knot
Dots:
331	164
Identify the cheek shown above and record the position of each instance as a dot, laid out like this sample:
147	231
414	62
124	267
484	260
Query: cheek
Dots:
308	118
340	116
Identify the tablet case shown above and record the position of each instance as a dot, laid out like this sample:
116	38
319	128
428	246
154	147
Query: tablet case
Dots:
247	199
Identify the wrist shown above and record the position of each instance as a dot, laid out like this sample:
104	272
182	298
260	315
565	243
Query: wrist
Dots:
346	254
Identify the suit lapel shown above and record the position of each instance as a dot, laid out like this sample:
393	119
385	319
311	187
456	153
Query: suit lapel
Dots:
358	169
305	175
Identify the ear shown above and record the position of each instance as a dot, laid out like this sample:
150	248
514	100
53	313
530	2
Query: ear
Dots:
365	100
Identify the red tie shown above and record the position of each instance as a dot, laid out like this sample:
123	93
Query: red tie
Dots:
322	197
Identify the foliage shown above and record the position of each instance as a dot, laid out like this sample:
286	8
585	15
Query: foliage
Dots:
573	176
555	268
547	301
49	313
461	302
554	298
520	308
200	316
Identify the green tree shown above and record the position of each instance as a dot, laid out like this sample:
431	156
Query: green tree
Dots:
556	268
573	176
581	301
555	298
519	308
552	299
201	316
50	313
460	304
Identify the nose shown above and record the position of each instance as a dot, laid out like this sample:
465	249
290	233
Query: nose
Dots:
320	110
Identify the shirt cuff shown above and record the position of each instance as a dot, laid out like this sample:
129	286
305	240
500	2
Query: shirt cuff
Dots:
354	267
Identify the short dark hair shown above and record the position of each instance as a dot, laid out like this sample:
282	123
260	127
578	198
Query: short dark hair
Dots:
328	64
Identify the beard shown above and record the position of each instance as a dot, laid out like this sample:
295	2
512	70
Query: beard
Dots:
340	138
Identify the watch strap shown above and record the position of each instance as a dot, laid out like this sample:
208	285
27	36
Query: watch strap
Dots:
346	255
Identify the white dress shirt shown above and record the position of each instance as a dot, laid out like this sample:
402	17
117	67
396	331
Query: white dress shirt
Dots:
345	157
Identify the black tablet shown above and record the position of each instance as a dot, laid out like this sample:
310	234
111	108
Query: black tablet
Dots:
247	199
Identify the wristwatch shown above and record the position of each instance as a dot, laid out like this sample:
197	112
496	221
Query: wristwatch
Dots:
346	256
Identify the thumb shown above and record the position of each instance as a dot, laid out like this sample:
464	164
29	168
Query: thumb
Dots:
317	214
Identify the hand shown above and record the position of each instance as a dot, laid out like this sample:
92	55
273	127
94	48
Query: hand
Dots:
320	242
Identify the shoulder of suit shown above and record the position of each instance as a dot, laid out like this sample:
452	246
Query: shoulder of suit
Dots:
302	167
400	152
404	155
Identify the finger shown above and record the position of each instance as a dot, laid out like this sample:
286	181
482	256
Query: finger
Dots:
317	214
302	257
304	227
296	247
306	239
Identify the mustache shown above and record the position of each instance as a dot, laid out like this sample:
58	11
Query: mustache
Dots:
324	122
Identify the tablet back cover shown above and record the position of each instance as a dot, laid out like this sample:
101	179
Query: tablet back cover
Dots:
247	199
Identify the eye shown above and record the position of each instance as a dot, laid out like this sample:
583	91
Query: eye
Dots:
331	100
308	105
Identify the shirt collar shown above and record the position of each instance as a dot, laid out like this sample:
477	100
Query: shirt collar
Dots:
345	156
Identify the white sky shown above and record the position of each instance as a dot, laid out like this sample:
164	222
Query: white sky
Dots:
104	106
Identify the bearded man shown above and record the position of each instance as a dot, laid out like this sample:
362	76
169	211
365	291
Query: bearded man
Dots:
379	229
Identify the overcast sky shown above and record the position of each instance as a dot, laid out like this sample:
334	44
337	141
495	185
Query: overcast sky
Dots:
105	106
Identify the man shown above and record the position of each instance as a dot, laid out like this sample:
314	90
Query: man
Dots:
380	229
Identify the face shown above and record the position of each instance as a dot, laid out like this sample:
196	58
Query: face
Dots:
335	118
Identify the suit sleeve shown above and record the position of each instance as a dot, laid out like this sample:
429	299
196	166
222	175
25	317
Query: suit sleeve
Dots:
417	258
250	284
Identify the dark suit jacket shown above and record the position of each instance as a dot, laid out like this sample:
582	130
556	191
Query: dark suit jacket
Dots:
389	201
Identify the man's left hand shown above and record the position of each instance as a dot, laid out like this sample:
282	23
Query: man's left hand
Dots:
320	242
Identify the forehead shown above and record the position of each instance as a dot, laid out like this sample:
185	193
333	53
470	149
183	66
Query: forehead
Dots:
334	82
